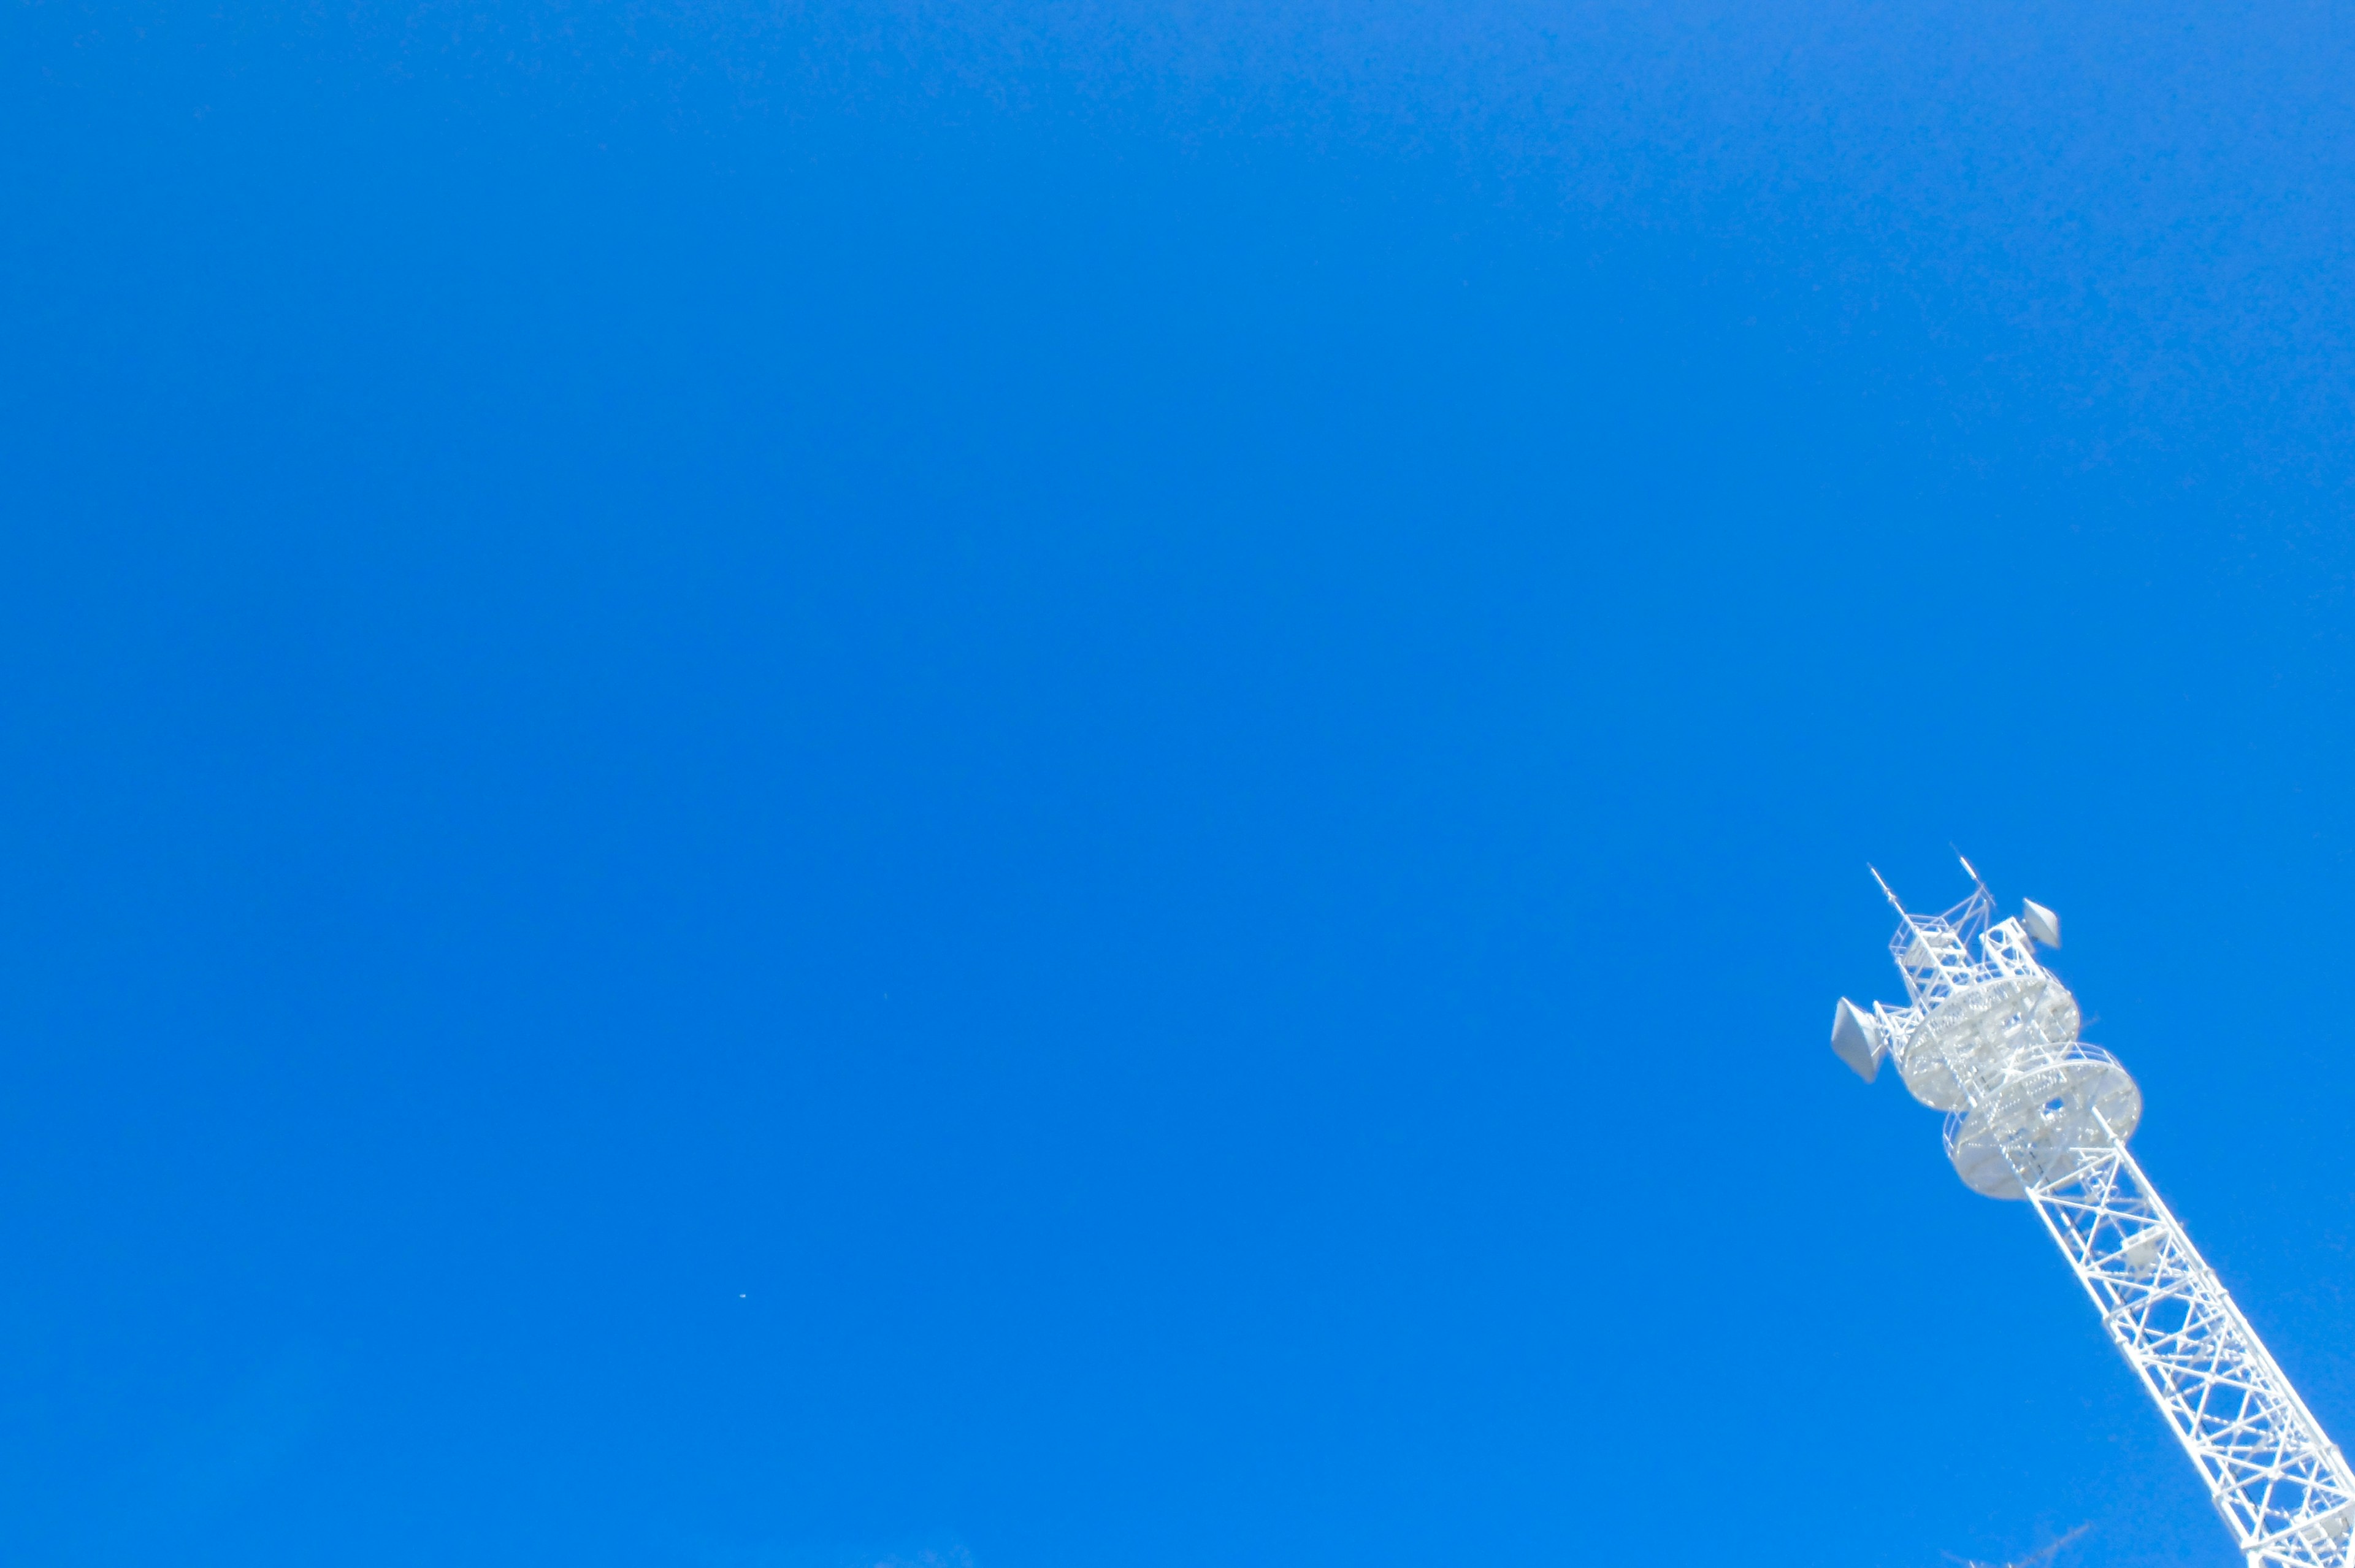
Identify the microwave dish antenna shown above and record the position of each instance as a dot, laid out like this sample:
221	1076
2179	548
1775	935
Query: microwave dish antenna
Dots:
1989	1036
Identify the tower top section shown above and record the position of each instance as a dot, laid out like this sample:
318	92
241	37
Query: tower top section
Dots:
1936	952
1989	1036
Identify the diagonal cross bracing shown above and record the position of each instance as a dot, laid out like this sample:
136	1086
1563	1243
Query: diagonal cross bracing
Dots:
2284	1489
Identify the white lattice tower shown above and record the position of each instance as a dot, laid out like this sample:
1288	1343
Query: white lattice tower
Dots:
1989	1037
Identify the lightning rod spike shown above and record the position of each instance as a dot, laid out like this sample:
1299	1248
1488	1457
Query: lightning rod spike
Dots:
1891	897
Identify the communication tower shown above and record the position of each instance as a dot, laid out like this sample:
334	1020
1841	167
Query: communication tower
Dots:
1989	1037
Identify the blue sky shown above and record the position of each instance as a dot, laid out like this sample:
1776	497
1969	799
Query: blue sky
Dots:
988	785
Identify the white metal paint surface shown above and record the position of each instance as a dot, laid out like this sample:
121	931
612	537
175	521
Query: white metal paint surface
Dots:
1989	1036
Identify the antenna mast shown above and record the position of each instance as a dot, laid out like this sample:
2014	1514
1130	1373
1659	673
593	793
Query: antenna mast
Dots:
1989	1037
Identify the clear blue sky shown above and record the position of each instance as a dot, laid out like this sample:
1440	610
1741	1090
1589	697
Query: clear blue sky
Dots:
1029	786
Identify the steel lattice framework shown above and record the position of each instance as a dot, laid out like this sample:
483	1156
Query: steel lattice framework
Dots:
1990	1037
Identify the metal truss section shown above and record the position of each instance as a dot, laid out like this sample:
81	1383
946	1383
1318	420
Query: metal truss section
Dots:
2283	1487
1989	1036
